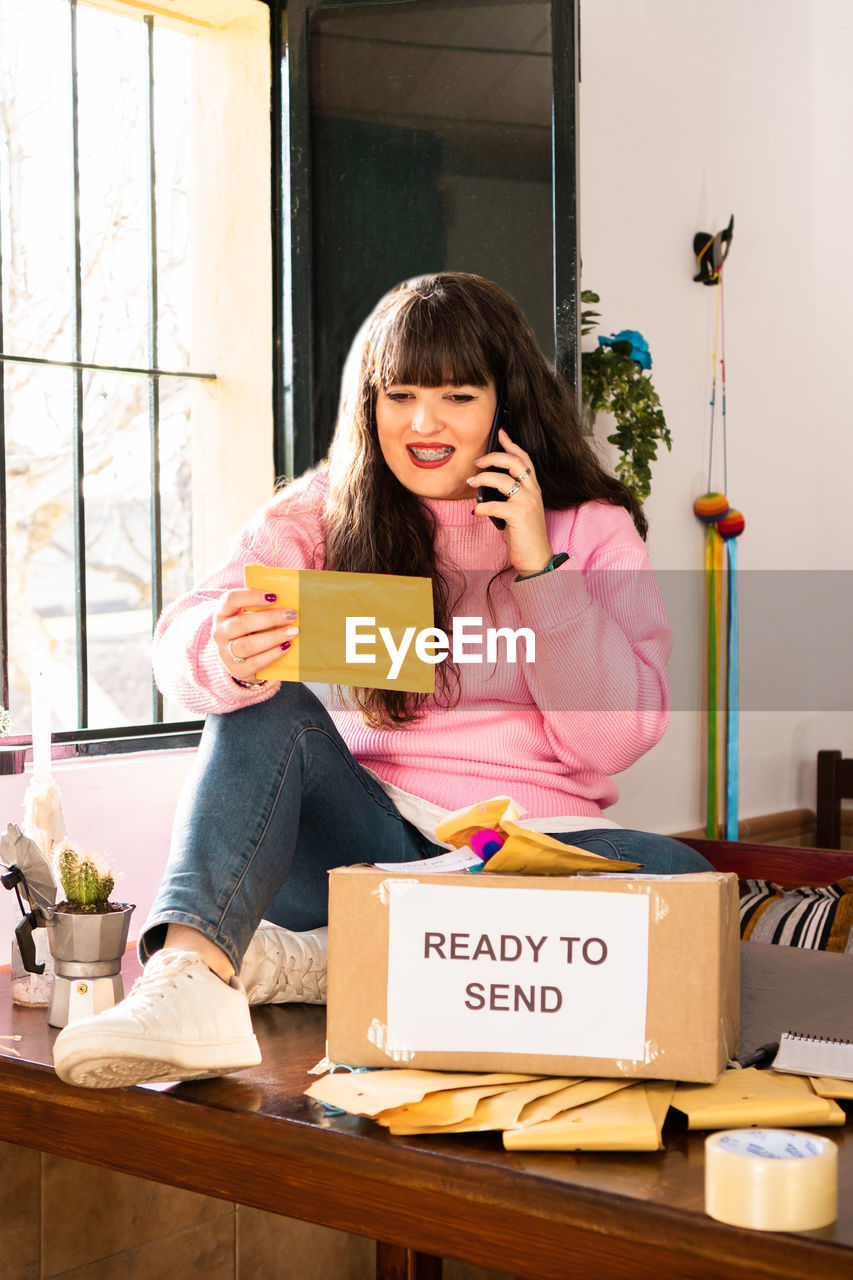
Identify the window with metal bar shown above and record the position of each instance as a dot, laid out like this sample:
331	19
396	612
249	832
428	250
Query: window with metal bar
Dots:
122	320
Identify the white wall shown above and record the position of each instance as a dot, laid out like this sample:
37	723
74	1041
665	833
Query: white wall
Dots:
692	111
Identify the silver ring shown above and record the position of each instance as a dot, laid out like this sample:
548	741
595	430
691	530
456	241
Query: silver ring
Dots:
231	654
515	488
523	475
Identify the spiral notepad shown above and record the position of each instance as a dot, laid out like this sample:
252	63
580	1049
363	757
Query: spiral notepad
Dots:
804	1055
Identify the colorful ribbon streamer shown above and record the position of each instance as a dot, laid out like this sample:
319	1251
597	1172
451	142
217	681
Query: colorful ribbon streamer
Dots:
732	679
711	585
722	668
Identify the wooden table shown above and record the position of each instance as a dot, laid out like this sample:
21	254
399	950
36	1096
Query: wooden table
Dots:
255	1139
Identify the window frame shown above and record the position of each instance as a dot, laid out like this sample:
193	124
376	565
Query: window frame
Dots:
15	749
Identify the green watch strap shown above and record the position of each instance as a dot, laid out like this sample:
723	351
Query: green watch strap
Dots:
554	563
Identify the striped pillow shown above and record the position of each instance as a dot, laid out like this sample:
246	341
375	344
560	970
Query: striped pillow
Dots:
818	918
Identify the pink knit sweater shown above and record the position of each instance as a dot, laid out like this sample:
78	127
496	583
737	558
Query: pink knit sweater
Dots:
550	733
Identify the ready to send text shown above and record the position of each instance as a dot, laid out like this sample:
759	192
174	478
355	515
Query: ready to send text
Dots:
506	997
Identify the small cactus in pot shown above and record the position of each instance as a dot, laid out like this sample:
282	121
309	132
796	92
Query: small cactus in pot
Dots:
85	883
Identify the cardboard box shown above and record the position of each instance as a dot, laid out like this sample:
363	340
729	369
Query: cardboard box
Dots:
604	975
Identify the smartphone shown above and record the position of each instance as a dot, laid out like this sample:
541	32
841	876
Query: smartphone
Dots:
484	493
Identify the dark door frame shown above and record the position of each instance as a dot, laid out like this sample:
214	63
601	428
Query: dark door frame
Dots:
294	433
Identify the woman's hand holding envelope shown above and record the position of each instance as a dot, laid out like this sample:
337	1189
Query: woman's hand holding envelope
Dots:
249	633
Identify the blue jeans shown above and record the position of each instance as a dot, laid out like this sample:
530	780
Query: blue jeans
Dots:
275	801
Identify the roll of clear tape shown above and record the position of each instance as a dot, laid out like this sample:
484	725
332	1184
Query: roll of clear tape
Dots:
771	1179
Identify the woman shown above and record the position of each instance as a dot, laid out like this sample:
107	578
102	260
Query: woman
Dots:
284	788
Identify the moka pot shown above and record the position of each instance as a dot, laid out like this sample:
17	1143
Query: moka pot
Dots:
87	946
87	951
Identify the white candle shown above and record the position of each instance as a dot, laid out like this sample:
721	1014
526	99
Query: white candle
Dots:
40	701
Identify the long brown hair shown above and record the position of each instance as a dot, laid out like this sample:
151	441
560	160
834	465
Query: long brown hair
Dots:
445	329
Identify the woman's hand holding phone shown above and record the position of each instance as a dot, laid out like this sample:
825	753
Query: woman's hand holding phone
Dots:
250	633
522	511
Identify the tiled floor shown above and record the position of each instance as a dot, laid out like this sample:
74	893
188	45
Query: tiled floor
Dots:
20	1239
89	1214
206	1250
63	1218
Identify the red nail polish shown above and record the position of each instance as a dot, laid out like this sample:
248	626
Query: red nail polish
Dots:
286	645
270	595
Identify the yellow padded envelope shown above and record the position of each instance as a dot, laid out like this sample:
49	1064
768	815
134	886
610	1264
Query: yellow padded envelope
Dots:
325	599
366	1093
498	1109
630	1120
752	1097
829	1087
438	1110
523	851
574	1095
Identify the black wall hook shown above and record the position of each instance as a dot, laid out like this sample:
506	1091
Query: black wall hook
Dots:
711	252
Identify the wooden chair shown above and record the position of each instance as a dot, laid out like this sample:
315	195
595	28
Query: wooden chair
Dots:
834	784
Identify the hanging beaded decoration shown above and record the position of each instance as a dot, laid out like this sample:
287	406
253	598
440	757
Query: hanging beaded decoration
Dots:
724	525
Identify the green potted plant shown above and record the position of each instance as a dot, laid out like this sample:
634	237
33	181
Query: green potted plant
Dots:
88	937
615	380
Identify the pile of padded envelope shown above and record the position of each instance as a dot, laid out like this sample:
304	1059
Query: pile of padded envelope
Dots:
535	1113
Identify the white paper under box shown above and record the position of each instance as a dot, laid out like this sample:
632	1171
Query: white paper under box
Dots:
615	975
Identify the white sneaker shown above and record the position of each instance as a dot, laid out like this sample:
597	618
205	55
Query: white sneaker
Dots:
178	1022
281	967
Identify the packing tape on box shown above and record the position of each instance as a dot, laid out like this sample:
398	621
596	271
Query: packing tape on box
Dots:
771	1179
379	1034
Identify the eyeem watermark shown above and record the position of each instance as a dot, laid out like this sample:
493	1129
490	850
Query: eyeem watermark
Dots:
468	642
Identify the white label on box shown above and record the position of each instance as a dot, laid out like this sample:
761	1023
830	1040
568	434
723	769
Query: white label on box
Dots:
543	971
454	860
